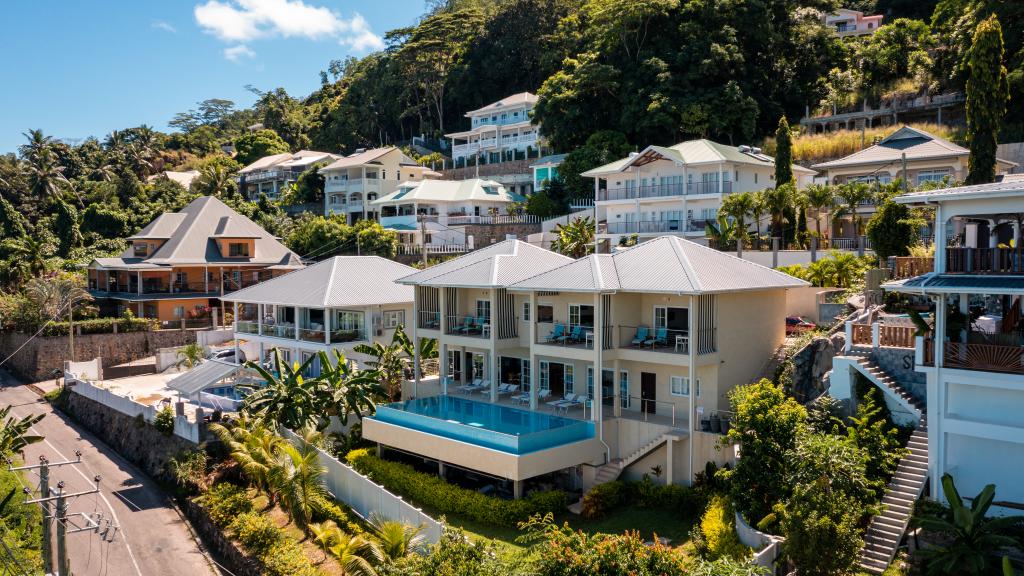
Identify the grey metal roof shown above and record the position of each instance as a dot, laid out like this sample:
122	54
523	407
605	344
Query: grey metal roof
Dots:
206	374
667	264
192	240
472	190
338	282
994	190
693	152
957	283
497	265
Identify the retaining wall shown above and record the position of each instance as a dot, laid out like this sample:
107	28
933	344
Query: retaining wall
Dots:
41	356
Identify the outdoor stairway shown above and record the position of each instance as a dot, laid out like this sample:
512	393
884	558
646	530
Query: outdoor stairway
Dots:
888	384
611	471
886	530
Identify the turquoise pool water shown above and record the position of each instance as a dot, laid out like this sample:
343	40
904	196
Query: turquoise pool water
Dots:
483	424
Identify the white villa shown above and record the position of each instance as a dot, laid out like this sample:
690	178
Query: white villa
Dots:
353	182
668	323
334	304
848	22
677	189
499	131
271	175
440	209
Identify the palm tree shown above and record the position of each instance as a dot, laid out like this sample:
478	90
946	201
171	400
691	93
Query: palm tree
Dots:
975	539
739	206
254	447
388	363
820	198
45	177
14	435
351	553
285	398
325	534
344	391
844	267
298	476
575	239
395	540
758	209
31	254
777	200
38	144
214	180
57	294
190	354
854	194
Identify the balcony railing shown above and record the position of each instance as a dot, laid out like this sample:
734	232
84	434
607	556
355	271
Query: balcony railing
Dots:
567	336
961	260
654	339
655	226
430	319
901	267
462	220
662	190
311	335
279	331
343	335
977	356
247	326
469	325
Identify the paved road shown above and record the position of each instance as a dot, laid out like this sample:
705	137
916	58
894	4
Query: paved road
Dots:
152	539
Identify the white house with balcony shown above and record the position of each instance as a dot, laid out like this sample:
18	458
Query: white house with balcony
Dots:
352	183
441	209
677	189
271	175
848	22
670	325
334	304
498	132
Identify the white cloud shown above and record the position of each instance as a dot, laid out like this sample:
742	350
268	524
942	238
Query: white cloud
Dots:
236	53
161	25
247	20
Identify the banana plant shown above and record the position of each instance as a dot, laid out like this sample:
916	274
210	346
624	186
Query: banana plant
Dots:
14	436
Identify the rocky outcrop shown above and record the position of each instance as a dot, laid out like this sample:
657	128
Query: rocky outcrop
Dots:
811	364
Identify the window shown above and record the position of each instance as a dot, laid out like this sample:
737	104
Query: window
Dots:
569	389
478	367
141	249
581	315
624	389
755	177
483	310
526	311
394	318
179	311
346	320
737	177
931	176
545	375
238	250
680	386
545	313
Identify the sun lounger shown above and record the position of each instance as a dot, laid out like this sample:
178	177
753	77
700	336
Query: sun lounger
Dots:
556	404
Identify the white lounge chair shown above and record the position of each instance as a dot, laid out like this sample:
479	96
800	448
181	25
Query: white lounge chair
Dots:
556	404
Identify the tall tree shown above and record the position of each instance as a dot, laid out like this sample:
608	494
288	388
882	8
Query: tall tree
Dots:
739	206
987	94
783	153
821	199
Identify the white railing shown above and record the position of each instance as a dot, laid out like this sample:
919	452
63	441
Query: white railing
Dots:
182	426
767	548
434	248
457	220
367	498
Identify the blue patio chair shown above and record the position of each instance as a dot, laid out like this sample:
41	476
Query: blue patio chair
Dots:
660	338
467	325
576	335
556	334
641	336
480	321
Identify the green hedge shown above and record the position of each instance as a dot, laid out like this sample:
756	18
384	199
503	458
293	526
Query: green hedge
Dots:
327	509
603	498
102	326
231	508
445	498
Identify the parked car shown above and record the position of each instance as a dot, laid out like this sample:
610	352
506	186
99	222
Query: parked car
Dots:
228	355
797	325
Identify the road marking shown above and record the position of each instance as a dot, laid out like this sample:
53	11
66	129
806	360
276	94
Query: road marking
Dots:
113	514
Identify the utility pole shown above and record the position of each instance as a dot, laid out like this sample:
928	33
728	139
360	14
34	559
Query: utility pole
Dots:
44	488
63	565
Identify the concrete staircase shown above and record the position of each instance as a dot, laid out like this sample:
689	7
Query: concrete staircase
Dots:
889	385
611	471
886	530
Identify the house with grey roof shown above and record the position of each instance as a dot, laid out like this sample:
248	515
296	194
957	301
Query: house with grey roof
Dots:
271	175
335	304
353	182
181	264
643	345
677	189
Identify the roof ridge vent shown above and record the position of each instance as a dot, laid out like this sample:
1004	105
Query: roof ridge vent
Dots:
744	148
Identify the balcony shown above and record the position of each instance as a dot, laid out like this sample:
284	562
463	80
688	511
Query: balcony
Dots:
1008	261
564	336
247	326
654	339
429	319
654	227
312	335
981	356
469	325
663	190
347	335
901	267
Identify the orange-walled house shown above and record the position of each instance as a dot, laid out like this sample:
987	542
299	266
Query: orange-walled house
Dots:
181	263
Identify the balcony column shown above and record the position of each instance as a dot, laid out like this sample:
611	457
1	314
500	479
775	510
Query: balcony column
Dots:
937	395
495	375
691	345
993	237
235	319
721	178
444	368
138	278
534	367
416	371
259	318
940	240
297	321
637	180
170	282
597	405
363	181
206	279
327	327
616	389
684	222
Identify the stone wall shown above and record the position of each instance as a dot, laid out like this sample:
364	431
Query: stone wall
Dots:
138	442
224	549
40	357
487	234
900	363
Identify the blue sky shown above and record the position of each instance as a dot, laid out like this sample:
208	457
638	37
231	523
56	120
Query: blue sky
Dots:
78	69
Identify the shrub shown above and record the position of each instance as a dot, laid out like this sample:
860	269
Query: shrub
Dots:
326	509
102	326
256	532
287	559
164	421
683	500
603	498
718	526
225	502
446	498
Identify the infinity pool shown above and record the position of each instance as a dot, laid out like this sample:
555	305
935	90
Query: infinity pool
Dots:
483	424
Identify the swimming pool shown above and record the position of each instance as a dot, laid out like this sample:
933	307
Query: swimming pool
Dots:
483	424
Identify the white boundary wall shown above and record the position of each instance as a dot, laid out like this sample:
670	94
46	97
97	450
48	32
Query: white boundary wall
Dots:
367	498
